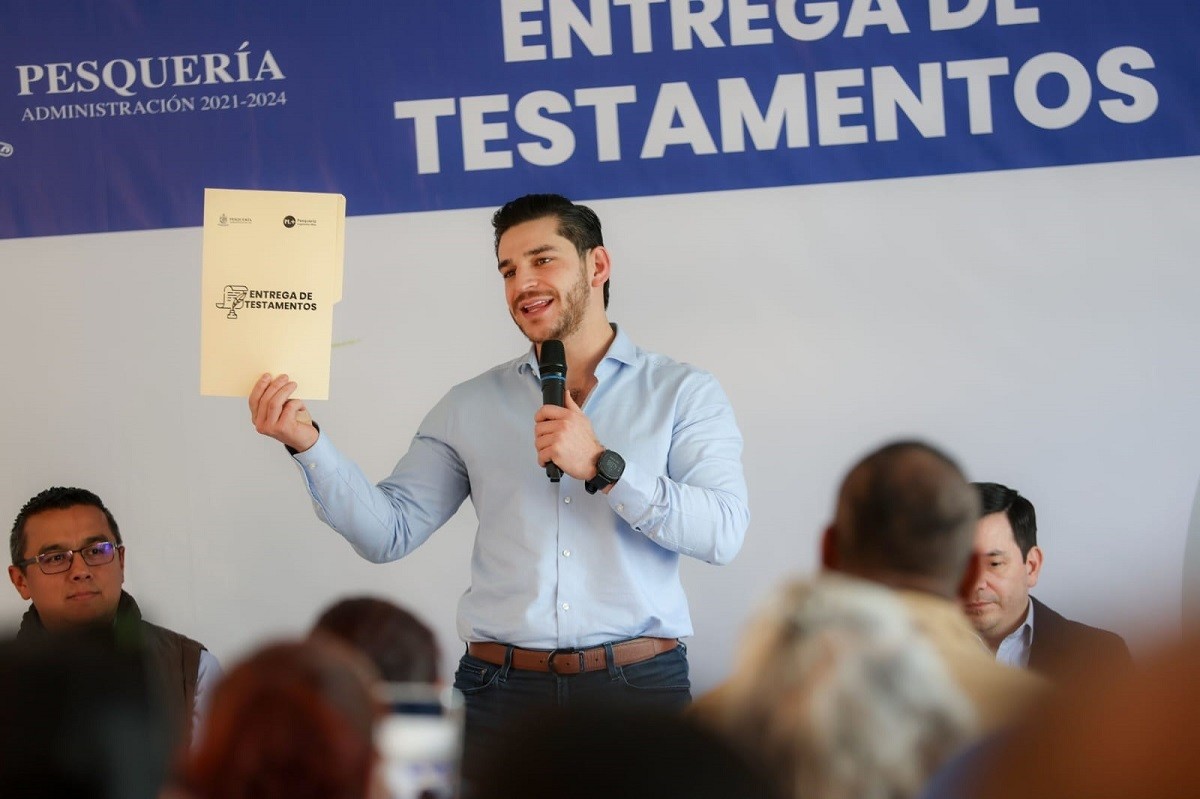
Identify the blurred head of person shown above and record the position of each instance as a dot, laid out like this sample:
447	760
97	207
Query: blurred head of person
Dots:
905	518
79	718
840	695
293	720
593	751
401	646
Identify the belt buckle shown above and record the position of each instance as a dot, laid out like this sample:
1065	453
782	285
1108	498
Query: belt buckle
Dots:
556	652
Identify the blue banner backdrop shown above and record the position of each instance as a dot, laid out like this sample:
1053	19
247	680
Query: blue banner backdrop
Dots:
116	115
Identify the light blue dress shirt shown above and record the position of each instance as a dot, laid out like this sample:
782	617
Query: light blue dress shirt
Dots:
1014	649
554	566
208	675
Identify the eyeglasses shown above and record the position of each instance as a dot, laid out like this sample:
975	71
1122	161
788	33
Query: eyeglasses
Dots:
60	560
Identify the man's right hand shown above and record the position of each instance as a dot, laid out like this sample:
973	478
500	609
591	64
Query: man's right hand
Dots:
283	419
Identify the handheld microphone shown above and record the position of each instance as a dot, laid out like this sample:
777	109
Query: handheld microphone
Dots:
552	366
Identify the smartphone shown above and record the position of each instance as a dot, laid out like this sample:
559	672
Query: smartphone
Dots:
420	740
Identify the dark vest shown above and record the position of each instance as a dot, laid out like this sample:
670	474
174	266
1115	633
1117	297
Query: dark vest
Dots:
172	660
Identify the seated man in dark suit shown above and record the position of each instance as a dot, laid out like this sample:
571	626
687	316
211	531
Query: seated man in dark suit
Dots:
68	560
1021	630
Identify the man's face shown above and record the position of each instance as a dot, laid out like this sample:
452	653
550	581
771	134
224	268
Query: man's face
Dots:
546	283
997	602
82	594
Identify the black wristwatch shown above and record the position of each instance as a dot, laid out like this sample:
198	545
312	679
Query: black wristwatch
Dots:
608	471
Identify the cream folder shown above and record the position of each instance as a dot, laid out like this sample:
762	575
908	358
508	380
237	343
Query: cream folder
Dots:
272	270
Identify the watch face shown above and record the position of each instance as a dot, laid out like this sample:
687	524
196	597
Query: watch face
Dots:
610	465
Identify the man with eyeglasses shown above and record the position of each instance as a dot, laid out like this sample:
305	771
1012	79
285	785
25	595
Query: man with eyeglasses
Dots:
68	560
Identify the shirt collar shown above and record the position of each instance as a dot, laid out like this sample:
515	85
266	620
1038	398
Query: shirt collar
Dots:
621	351
1026	627
1014	649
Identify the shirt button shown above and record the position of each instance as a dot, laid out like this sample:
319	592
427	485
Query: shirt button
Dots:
566	606
620	507
566	553
567	500
312	465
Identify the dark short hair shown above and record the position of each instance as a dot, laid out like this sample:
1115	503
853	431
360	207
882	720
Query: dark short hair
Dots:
906	508
577	224
400	645
996	498
56	498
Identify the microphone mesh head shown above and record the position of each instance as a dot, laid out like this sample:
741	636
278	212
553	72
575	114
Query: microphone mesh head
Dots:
552	358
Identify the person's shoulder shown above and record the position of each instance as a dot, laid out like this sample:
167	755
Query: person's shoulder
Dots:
489	379
1046	619
165	633
665	371
1062	648
999	693
170	651
658	360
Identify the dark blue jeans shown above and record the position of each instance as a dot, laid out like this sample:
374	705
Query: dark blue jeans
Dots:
498	695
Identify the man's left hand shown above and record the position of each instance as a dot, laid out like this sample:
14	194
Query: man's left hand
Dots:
565	436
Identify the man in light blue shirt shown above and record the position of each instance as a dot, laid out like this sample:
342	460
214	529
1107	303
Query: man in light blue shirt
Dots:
575	588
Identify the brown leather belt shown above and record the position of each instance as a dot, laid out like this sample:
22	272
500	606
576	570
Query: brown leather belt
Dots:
572	661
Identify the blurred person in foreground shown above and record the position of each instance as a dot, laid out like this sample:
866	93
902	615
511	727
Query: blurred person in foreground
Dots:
840	696
594	751
292	721
420	737
80	718
1113	733
401	646
68	560
1019	629
905	519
